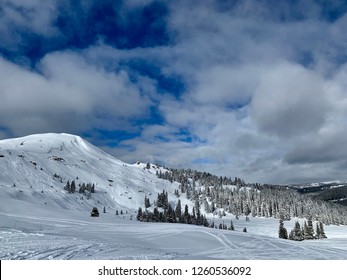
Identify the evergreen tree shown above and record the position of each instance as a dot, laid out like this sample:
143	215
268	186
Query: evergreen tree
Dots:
297	233
317	231
186	215
231	226
321	230
244	229
308	229
170	214
104	210
67	186
282	232
178	211
139	214
73	186
147	202
199	218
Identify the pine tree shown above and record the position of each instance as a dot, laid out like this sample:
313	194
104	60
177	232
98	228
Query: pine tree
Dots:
297	232
147	202
317	231
72	187
231	226
321	230
308	229
244	229
178	211
139	214
67	186
282	232
166	201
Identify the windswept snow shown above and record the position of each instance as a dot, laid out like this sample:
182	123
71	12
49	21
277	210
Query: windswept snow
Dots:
40	220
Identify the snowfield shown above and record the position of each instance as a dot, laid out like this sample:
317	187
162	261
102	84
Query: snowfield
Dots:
110	237
40	220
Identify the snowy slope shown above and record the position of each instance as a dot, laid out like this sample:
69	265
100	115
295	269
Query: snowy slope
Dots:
35	169
78	236
40	220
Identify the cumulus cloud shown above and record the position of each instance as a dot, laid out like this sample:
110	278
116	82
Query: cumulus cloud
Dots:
289	101
263	92
67	94
259	91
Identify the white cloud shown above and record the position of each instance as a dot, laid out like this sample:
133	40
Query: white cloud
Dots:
32	16
289	101
69	94
264	99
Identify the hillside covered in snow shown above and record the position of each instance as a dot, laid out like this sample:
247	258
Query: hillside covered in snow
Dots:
44	217
37	168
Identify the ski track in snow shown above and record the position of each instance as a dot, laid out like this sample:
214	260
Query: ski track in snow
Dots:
63	238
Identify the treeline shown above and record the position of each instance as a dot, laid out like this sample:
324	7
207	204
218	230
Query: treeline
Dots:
164	213
171	215
305	232
221	195
187	176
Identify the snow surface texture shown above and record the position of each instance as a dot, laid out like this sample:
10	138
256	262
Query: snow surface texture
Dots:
40	220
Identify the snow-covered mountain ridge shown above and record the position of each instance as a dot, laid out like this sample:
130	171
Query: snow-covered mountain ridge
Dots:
36	168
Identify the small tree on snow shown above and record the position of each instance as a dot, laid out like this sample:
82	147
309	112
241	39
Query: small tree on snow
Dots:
296	233
139	214
282	231
308	229
147	202
231	226
321	231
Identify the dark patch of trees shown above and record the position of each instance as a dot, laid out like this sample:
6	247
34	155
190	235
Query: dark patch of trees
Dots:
170	215
305	232
86	189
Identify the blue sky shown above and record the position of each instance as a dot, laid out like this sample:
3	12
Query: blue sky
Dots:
254	89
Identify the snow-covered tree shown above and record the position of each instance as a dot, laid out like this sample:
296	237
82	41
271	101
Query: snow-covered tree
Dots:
308	229
282	231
